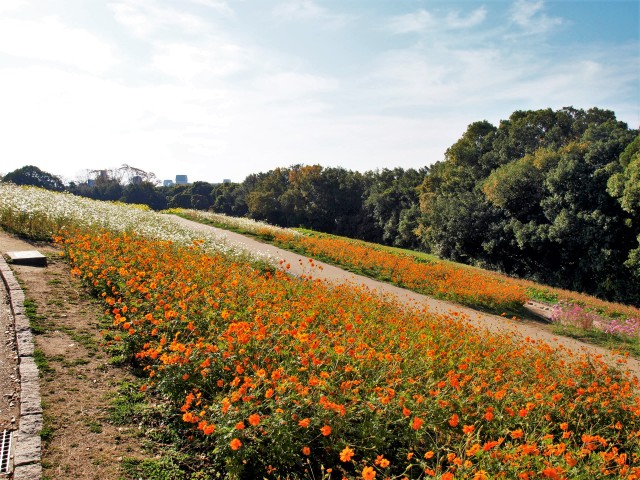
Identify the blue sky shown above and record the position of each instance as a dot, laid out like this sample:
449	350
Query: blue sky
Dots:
220	89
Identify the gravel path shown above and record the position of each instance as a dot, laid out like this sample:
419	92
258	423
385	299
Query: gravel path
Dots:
300	265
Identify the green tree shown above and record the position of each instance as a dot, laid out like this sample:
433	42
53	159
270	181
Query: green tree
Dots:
230	199
181	200
391	201
200	202
263	201
534	198
144	193
624	185
31	175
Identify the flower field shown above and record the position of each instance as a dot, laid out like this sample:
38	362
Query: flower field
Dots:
467	285
39	214
278	377
438	279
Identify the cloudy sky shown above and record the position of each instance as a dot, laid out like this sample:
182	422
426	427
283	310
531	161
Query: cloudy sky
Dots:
220	89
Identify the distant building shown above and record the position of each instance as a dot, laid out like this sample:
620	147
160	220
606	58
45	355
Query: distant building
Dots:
167	183
181	180
226	180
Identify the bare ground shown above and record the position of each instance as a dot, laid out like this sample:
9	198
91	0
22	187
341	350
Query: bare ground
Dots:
79	384
9	380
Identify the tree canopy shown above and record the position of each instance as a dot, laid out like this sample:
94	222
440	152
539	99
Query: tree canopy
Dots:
30	175
551	196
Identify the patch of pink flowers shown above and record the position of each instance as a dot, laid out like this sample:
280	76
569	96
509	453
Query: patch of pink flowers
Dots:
629	326
574	315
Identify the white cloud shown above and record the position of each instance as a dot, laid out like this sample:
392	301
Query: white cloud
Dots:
492	82
218	5
297	10
454	20
410	22
422	21
49	40
190	62
145	18
12	5
295	85
530	17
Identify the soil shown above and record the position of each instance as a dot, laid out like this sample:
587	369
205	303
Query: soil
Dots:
9	380
79	383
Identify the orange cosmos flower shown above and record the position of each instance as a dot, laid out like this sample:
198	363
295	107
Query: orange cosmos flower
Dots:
368	473
326	430
304	423
254	419
489	445
240	426
209	429
454	420
467	429
235	444
550	472
346	454
417	423
306	451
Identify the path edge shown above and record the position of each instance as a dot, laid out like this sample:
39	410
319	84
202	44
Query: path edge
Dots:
27	444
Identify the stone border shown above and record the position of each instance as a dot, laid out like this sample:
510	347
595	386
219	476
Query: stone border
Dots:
27	445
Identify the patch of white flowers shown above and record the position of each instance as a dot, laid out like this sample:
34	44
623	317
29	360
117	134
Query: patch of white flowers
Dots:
246	224
41	213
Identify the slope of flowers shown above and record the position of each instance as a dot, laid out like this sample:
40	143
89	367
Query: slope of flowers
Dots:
39	214
282	378
472	277
439	279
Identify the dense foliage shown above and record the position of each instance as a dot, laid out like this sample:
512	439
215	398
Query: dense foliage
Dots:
380	206
551	196
30	175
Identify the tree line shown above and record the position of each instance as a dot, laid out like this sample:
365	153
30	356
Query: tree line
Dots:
553	196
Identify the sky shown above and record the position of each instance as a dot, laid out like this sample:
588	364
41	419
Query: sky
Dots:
217	89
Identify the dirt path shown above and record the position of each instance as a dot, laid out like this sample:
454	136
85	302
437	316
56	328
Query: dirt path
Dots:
77	381
300	265
9	381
